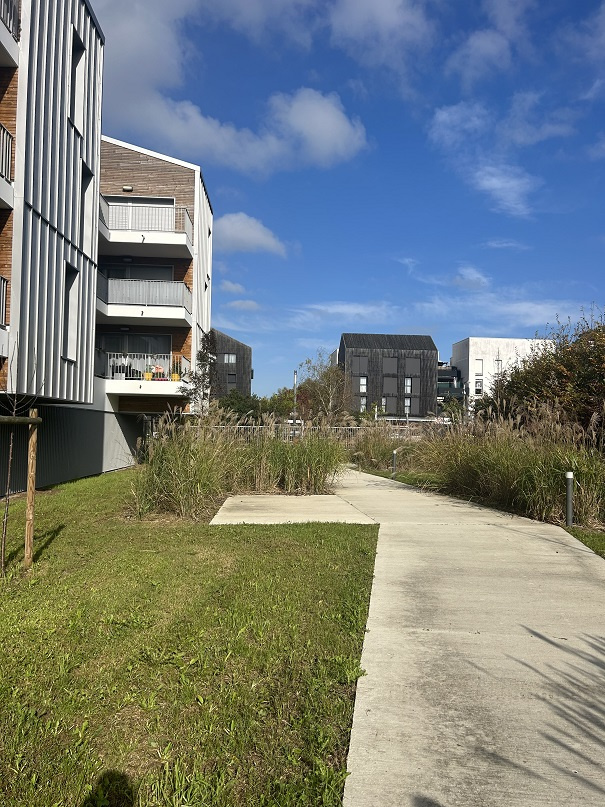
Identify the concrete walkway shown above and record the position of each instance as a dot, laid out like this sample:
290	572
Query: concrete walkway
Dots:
484	654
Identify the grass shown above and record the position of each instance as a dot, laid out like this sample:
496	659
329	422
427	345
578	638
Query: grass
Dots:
157	663
594	539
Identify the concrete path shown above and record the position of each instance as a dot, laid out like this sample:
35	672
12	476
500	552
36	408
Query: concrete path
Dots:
484	654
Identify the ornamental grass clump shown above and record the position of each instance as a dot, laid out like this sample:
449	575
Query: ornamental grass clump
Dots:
518	464
374	444
188	467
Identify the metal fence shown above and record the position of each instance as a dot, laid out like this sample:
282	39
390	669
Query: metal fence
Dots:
9	14
143	292
141	366
3	290
288	431
146	218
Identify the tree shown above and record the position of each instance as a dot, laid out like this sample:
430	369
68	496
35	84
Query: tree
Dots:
199	384
567	371
323	390
242	404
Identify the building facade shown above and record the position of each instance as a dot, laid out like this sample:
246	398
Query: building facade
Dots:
394	372
233	368
481	360
155	276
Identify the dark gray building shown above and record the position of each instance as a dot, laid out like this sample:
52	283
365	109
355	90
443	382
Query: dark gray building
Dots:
233	365
396	372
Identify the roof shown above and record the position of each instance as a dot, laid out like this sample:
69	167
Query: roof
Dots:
387	341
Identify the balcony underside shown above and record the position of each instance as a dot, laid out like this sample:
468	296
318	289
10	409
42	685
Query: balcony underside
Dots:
121	314
9	49
7	194
144	244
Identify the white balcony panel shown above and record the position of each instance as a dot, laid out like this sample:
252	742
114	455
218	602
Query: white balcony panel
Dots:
176	316
161	389
9	48
7	194
4	349
144	244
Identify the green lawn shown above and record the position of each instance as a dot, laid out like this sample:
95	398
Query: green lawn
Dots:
162	662
595	539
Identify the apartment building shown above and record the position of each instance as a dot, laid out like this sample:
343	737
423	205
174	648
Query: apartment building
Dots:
154	277
105	254
233	368
480	360
395	372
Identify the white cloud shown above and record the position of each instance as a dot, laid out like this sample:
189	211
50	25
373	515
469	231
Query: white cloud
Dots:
597	150
238	232
255	18
232	288
454	127
147	58
509	186
505	243
244	305
471	278
483	53
508	16
521	127
366	312
382	32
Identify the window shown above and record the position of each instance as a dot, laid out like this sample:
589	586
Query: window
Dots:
478	366
86	210
229	358
71	296
389	385
498	365
407	386
391	407
384	404
412	366
136	271
76	90
389	365
478	386
363	383
407	405
231	381
363	403
359	365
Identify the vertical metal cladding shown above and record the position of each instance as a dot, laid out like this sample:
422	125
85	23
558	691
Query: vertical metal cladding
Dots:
56	151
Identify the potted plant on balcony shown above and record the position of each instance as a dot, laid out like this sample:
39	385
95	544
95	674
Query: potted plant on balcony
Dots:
175	370
159	373
148	374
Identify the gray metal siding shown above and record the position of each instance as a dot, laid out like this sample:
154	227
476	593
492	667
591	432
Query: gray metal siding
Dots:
242	367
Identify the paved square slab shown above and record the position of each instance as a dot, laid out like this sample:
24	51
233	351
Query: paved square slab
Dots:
263	509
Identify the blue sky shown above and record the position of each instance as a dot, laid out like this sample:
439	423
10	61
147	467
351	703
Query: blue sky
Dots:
388	166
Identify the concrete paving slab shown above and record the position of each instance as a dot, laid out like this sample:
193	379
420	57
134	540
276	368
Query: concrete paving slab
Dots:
265	509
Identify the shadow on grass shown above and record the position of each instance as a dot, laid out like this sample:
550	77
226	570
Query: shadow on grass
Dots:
41	542
113	789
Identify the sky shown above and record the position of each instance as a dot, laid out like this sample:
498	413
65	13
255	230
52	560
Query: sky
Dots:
377	166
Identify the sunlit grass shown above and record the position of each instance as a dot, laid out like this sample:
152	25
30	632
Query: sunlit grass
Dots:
175	663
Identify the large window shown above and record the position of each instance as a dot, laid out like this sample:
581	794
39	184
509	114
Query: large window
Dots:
140	343
136	271
231	381
77	82
407	386
363	404
407	405
363	384
229	358
478	366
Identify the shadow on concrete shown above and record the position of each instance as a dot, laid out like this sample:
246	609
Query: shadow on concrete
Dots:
112	789
422	801
41	542
573	690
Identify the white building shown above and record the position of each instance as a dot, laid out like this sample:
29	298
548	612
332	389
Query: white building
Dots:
481	360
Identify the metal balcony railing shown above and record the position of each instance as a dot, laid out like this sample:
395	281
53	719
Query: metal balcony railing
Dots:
9	14
6	153
141	366
3	290
146	218
143	292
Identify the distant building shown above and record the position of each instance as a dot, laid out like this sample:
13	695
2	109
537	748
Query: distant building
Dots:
481	360
233	365
449	384
396	372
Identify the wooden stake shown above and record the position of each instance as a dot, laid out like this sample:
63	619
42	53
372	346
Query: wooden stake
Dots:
31	489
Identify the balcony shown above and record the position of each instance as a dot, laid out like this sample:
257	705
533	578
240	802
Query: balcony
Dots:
141	373
155	302
6	185
3	329
144	228
10	30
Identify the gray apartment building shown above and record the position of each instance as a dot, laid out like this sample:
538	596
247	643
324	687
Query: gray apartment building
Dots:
395	372
233	369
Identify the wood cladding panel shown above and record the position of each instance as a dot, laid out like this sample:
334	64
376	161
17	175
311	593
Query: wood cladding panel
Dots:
8	105
6	253
148	176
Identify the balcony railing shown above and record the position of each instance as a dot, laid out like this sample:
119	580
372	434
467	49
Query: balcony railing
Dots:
6	152
141	366
143	292
146	218
3	290
9	14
